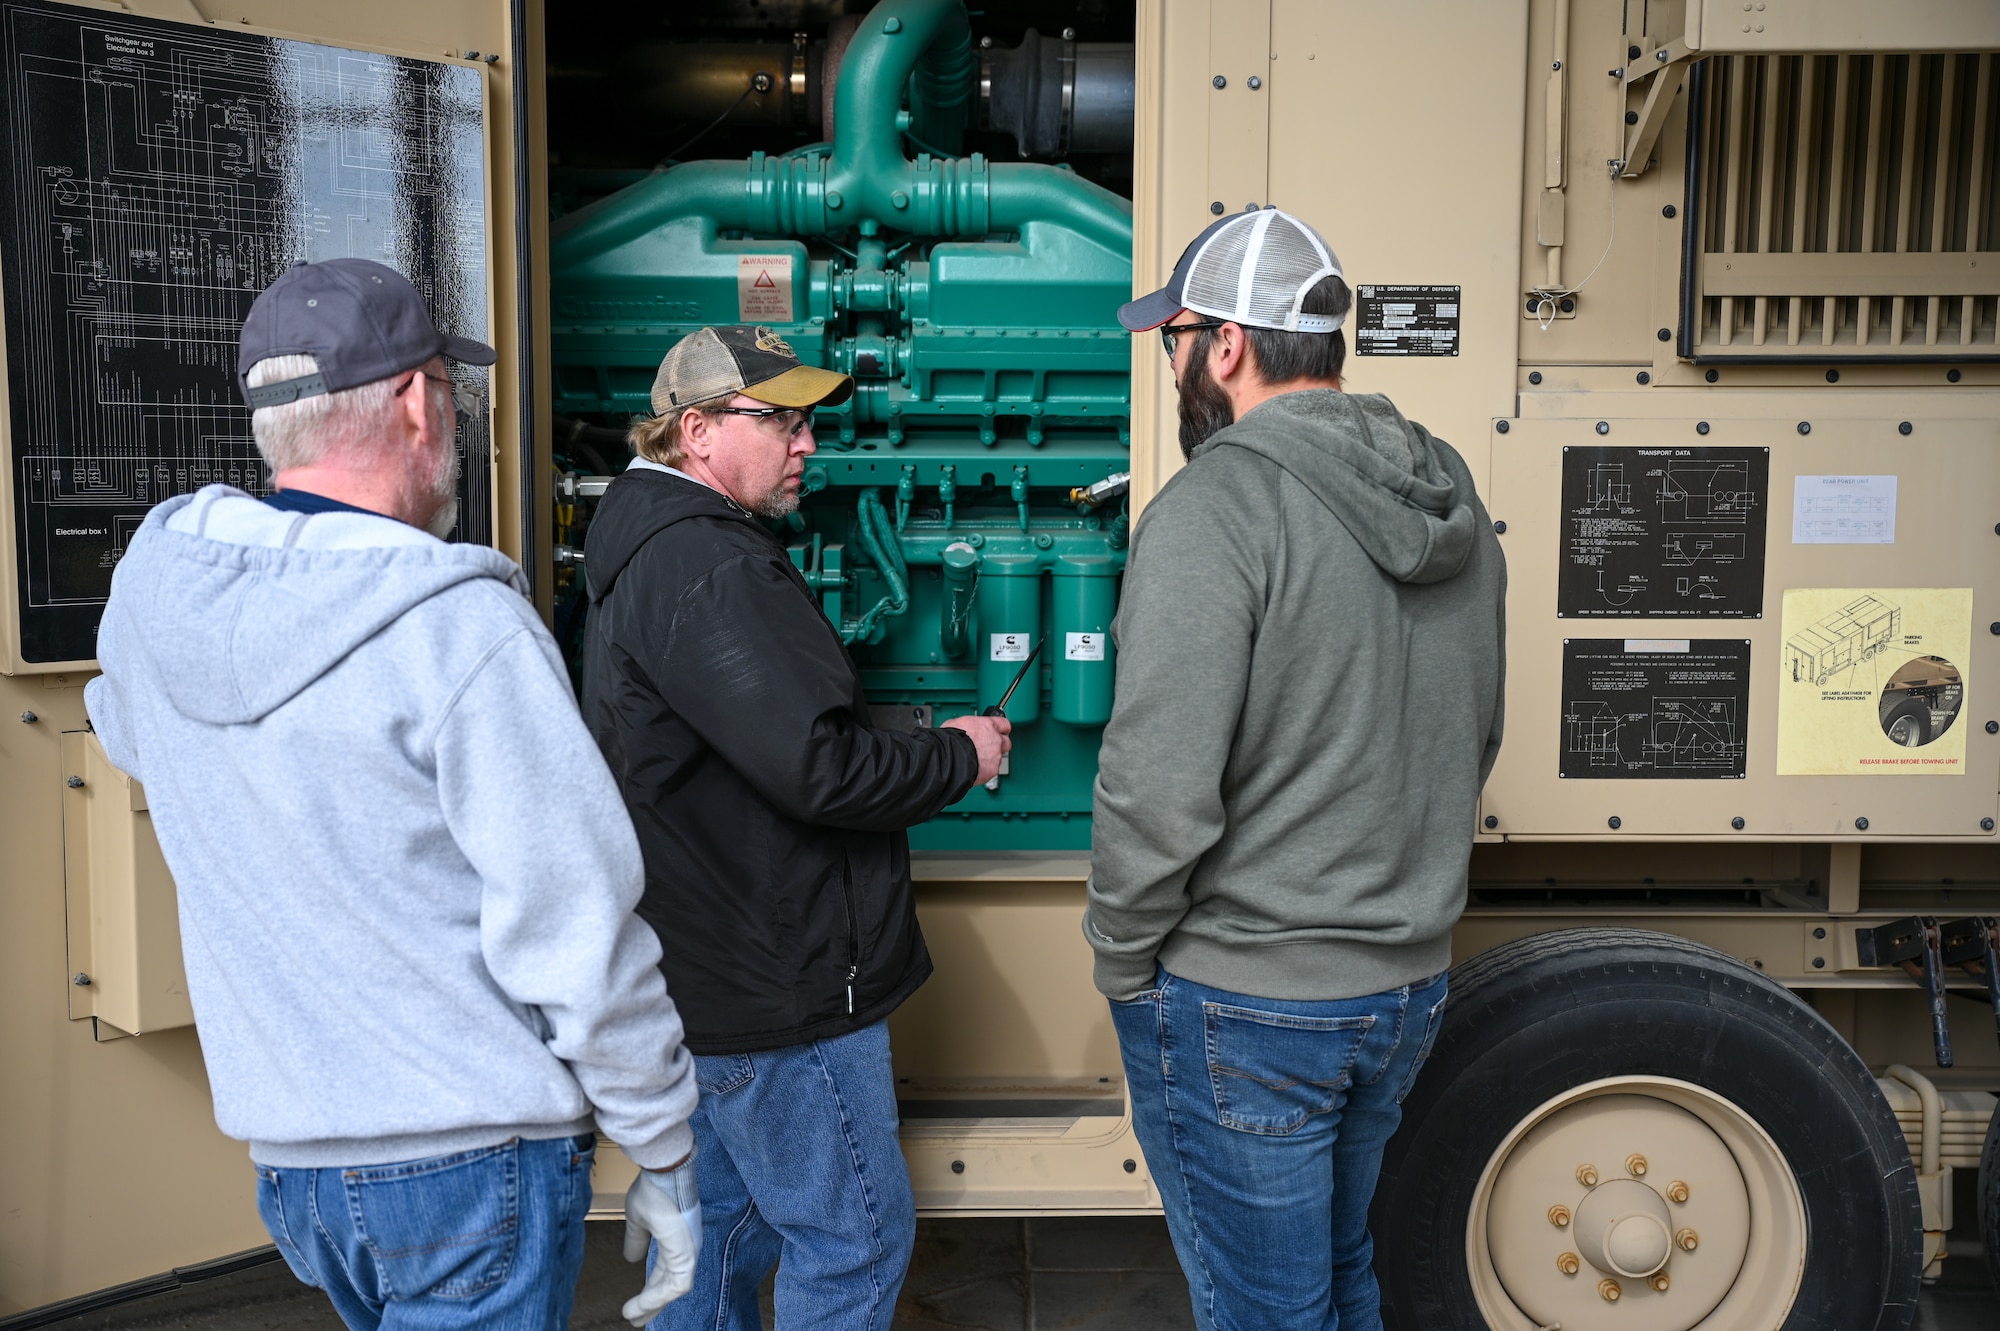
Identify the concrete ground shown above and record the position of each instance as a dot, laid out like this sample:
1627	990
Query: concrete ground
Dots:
967	1275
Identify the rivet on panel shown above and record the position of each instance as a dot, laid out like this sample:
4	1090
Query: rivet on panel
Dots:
1688	1240
1569	1263
1559	1215
1635	1165
1660	1282
1677	1191
1587	1175
1608	1291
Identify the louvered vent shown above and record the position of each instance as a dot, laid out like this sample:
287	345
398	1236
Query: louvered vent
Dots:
1843	208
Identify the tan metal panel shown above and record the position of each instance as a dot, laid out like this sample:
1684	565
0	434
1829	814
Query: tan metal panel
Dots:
1851	274
125	930
1948	494
1393	169
1170	204
1765	26
1610	226
1330	161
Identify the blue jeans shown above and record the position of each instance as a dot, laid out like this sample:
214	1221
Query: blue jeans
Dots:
799	1167
491	1238
1263	1122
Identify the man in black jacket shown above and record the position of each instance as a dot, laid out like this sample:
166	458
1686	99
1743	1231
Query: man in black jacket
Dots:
771	815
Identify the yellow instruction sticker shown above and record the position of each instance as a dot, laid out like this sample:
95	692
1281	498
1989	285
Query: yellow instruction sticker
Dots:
1873	681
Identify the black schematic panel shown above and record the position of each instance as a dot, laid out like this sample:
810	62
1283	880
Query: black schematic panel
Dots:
1674	533
156	177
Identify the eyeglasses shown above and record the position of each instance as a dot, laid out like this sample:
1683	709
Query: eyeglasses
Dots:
1168	332
791	430
433	380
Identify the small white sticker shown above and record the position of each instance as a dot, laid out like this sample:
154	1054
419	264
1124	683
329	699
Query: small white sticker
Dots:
764	288
1010	646
1083	646
1844	510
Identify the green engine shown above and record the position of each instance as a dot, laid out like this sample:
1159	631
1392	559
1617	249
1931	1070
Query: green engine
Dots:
968	502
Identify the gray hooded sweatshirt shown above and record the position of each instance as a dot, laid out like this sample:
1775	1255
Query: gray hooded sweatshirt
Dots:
406	879
1308	701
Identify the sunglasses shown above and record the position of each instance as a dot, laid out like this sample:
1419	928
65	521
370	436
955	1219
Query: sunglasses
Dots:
1169	332
791	429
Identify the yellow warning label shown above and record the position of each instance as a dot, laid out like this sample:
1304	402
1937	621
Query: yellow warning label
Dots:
764	288
1873	681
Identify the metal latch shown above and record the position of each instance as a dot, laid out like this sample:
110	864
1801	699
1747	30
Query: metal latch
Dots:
1916	944
1924	948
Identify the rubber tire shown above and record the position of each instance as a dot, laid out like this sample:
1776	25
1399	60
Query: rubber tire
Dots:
1919	711
1534	1018
1989	1198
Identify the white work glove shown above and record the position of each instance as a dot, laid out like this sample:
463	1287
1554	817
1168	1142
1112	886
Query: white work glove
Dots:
663	1207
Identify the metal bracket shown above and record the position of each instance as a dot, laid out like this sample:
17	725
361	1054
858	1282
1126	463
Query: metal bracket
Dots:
1916	944
1667	67
1974	943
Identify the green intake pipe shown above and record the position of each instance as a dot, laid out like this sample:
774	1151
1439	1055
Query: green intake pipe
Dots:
866	177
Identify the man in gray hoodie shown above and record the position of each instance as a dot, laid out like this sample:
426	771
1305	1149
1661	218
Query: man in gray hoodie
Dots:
406	879
1309	696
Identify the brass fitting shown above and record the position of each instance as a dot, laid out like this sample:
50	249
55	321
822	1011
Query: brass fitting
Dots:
1608	1290
1688	1239
1559	1215
1569	1263
1660	1282
1587	1175
1635	1165
1677	1191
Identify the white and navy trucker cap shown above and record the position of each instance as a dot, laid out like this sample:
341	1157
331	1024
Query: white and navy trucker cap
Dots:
1253	269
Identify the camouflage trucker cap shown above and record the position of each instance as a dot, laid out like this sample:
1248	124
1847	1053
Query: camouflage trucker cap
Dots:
743	358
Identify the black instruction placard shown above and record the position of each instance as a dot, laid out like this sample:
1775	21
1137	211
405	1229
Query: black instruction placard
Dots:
1663	532
1654	709
1406	321
155	177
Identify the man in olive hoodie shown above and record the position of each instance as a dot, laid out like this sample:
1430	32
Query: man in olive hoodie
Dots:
1309	698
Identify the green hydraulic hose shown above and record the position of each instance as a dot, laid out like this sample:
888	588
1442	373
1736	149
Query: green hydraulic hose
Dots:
877	534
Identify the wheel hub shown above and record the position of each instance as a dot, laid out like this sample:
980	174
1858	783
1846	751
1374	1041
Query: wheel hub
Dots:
1623	1229
1653	1195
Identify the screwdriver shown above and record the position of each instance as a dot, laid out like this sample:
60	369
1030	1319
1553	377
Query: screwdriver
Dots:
1000	708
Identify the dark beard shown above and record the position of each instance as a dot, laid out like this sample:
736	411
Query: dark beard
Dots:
1205	408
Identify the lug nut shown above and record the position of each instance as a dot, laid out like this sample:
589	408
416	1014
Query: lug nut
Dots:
1660	1282
1677	1191
1559	1216
1635	1165
1587	1175
1569	1263
1608	1290
1688	1239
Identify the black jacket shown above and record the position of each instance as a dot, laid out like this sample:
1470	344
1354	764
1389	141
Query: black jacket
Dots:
771	813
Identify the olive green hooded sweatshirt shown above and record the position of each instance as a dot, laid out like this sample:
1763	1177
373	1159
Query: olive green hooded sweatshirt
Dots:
1309	649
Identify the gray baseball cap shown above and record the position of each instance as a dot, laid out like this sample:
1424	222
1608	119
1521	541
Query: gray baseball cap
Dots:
361	321
1253	269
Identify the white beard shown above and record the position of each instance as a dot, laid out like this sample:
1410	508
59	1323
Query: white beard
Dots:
444	520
